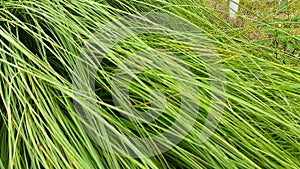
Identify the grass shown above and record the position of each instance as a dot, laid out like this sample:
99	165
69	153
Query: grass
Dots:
42	42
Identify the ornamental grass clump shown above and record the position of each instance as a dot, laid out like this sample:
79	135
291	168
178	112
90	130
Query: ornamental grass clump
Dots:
142	84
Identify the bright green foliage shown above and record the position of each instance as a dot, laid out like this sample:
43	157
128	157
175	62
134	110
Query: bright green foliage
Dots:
40	42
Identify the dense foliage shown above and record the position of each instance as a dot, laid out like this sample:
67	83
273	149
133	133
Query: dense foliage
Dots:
41	42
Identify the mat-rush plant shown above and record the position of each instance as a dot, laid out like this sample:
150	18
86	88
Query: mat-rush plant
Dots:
40	128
